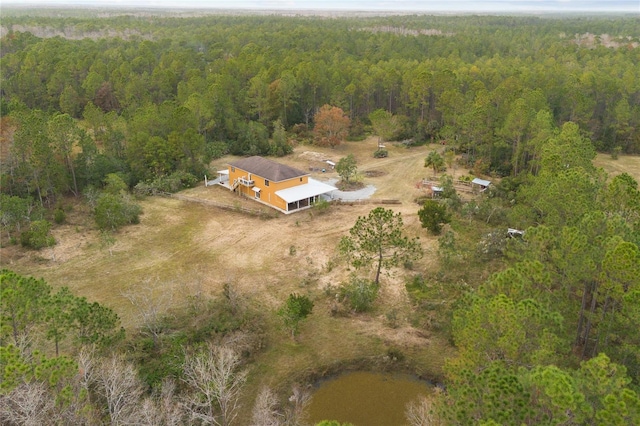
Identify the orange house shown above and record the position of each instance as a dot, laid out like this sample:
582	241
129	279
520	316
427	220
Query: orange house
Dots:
277	185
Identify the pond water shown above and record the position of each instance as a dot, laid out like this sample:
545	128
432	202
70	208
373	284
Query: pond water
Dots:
366	399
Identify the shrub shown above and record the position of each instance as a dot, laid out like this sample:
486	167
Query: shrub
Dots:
432	215
175	182
59	216
113	211
380	153
359	293
615	152
37	236
321	206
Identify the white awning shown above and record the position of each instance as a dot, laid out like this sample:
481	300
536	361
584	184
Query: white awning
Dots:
437	189
256	189
223	172
331	163
308	190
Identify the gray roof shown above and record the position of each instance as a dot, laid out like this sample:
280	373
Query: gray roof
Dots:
481	182
268	169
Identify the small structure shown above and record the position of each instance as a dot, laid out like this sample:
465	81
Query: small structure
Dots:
480	184
436	191
513	233
279	186
331	164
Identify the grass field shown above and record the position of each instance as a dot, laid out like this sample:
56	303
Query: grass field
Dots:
624	164
184	249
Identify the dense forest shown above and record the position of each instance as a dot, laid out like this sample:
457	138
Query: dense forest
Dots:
94	108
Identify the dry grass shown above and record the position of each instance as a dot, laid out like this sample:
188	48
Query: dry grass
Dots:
190	249
624	164
187	248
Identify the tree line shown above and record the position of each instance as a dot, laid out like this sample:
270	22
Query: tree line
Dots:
196	84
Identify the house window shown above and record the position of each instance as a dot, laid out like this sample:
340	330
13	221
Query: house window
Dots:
266	182
300	179
258	194
233	170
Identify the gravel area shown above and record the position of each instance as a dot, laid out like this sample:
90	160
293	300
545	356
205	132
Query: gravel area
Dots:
360	194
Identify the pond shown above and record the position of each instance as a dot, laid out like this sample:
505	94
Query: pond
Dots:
364	398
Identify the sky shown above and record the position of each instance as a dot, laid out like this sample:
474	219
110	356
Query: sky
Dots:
367	5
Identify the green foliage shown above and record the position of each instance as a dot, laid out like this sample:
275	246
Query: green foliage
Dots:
380	153
114	211
114	184
280	146
215	150
433	215
321	206
448	249
296	308
28	307
378	240
347	167
492	394
23	304
59	216
385	124
173	183
359	293
18	368
435	161
615	152
15	212
37	236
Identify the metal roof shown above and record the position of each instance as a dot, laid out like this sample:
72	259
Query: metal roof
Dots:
482	182
268	169
300	192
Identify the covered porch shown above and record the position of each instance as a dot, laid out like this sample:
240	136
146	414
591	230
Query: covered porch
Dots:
303	196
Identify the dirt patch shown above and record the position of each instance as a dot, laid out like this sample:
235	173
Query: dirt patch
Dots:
349	186
374	173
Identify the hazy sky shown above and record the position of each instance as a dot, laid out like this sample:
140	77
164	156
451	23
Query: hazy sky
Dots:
398	5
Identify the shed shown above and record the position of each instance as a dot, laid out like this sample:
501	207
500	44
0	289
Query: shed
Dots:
483	184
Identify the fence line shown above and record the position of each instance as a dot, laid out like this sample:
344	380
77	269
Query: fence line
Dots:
235	208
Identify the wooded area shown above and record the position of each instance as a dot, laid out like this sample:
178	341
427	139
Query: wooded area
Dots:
145	103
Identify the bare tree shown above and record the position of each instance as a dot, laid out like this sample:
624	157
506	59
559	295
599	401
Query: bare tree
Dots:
213	375
295	414
421	413
265	411
118	383
172	413
152	302
28	404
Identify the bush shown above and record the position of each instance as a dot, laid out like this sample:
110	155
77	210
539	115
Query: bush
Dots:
175	182
37	236
113	211
380	153
59	216
432	215
359	293
615	152
321	206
